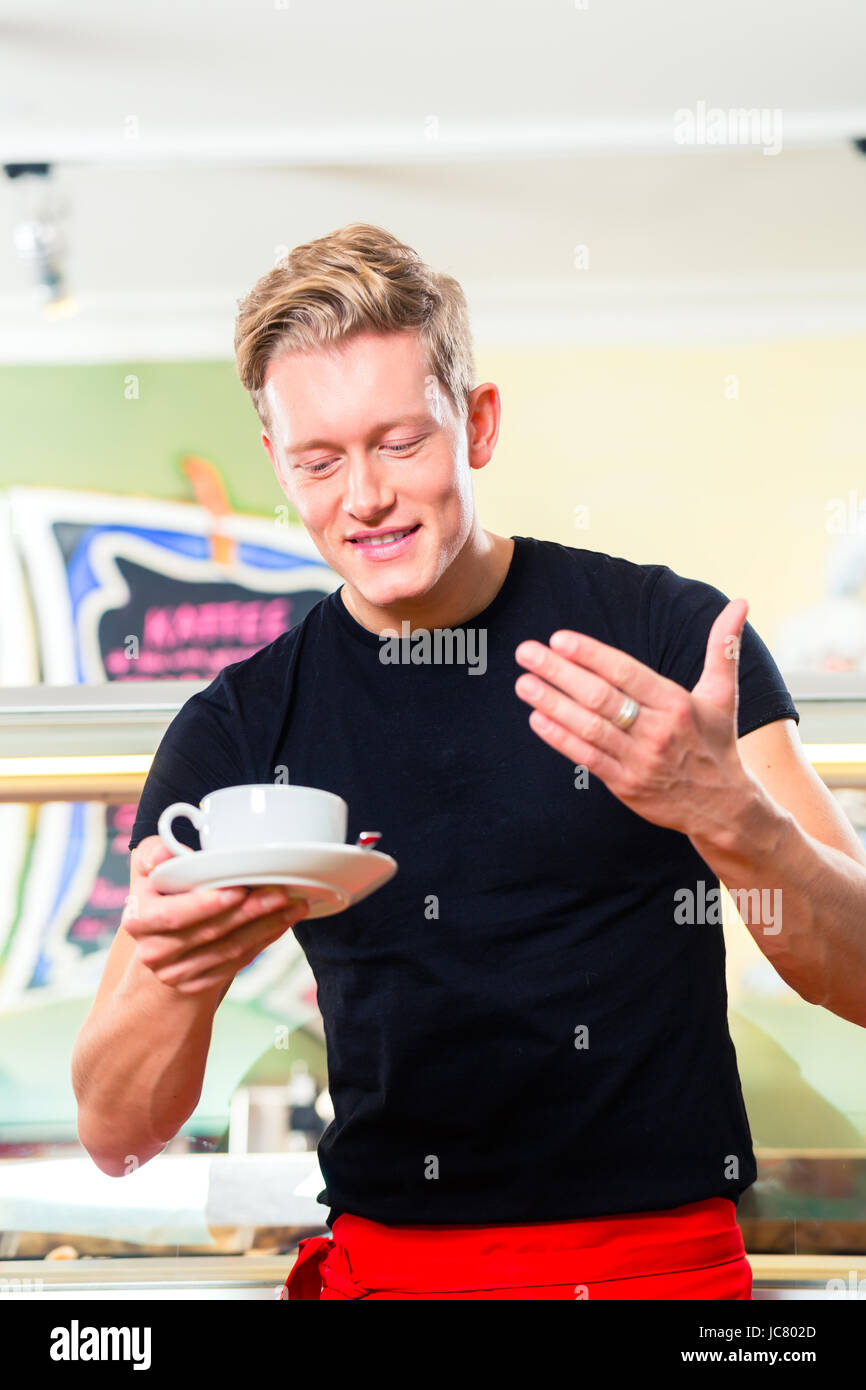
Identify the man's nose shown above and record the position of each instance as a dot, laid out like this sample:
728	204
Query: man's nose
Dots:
367	490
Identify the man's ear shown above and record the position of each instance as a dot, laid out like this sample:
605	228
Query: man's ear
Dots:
269	450
482	425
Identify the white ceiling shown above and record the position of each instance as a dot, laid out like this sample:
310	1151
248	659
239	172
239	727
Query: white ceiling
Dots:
192	142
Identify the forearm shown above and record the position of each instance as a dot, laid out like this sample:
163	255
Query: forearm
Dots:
815	931
137	1072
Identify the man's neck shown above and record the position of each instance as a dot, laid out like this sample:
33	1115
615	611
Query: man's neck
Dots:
471	584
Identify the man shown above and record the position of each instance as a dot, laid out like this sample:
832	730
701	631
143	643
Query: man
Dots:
535	1091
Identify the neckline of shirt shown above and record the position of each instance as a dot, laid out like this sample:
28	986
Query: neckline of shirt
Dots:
500	598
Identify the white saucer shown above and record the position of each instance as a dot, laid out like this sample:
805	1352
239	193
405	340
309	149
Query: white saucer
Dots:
329	876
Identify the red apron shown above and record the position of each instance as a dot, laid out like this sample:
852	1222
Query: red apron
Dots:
690	1252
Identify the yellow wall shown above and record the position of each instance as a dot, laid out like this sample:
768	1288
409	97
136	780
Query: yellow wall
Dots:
732	491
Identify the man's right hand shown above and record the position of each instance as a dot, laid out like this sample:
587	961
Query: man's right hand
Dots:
200	939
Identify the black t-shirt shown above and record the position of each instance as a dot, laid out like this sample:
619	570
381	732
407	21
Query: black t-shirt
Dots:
517	1027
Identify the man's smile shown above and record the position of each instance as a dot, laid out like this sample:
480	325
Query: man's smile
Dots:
384	544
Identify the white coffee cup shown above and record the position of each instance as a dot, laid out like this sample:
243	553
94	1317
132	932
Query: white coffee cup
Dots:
259	815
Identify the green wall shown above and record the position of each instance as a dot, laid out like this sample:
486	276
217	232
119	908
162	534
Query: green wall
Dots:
73	427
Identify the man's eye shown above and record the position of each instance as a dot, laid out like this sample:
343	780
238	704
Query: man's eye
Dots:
316	467
398	447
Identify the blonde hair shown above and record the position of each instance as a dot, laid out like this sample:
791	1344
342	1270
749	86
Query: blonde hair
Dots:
357	279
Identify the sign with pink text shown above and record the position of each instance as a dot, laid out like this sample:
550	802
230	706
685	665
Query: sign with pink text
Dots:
128	588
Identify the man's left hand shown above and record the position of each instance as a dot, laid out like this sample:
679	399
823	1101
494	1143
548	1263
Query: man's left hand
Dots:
678	764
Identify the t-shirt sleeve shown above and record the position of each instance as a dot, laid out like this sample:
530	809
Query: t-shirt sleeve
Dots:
202	749
681	613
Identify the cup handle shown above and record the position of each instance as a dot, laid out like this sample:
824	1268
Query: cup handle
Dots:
178	808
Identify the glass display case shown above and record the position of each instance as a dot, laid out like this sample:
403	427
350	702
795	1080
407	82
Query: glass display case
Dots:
219	1212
